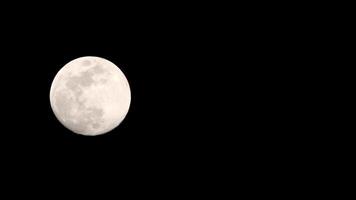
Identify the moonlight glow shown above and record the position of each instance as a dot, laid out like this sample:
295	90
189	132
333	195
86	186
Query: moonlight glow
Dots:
90	96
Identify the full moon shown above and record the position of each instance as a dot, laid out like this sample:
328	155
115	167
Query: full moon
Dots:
90	96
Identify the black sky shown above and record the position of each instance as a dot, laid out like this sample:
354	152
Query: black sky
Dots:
163	62
207	91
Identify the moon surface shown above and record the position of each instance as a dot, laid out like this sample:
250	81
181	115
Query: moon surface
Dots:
90	96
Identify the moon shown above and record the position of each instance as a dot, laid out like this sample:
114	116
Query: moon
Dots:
90	96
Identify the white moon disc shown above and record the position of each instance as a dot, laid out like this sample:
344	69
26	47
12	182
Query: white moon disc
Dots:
90	96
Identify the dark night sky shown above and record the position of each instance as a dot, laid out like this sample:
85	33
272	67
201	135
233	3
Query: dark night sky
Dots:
164	65
204	95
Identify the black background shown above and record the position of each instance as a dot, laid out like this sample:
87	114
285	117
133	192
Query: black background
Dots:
174	74
208	91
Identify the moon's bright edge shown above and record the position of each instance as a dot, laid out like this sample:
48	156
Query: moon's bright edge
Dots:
90	96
